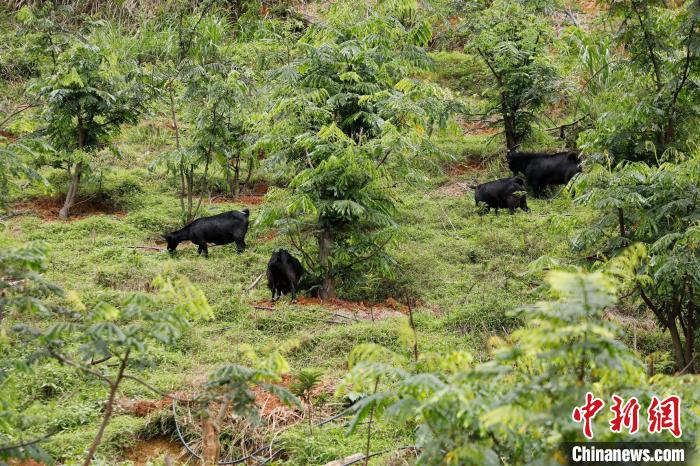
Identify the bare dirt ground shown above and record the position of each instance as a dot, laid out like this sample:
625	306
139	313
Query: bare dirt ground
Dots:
351	310
47	208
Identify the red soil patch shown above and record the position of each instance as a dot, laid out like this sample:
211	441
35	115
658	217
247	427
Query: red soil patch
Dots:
277	414
463	168
47	208
589	6
142	408
358	310
481	128
260	188
13	462
272	410
251	200
8	135
252	196
270	235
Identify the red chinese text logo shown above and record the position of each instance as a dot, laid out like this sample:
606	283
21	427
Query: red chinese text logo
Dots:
661	415
587	412
665	415
626	415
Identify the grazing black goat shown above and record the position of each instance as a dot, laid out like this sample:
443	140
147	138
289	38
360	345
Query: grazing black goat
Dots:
225	228
504	193
283	274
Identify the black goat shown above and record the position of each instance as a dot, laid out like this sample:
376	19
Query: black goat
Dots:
225	228
283	274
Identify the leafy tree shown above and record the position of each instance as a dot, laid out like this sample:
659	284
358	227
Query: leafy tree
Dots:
655	209
230	388
516	408
651	104
83	339
86	97
512	39
345	110
22	289
306	381
85	107
206	96
218	108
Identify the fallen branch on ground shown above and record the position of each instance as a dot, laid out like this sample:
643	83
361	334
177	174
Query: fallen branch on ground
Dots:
264	308
255	283
150	248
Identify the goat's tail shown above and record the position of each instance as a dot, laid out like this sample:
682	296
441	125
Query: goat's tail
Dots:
246	212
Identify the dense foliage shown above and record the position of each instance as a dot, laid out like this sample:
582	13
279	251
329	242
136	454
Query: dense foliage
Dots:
655	211
514	50
516	407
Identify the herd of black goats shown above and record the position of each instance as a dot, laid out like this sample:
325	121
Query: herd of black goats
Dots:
284	271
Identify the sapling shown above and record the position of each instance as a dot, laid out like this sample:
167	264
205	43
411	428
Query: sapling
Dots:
303	386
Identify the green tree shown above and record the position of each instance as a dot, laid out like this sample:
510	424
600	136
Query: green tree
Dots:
651	104
206	95
516	408
344	111
306	380
84	107
656	207
84	339
22	289
512	39
218	112
86	95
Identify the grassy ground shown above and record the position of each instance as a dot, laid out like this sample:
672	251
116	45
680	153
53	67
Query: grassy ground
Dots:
467	270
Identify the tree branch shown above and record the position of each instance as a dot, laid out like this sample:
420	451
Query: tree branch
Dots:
364	258
650	47
651	305
26	443
16	112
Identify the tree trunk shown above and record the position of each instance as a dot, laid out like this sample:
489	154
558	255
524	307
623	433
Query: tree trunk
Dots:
205	185
229	181
210	442
72	193
677	345
621	221
237	177
509	124
325	239
250	172
190	192
108	411
211	429
176	127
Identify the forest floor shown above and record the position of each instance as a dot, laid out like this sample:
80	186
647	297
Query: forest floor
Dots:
467	271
